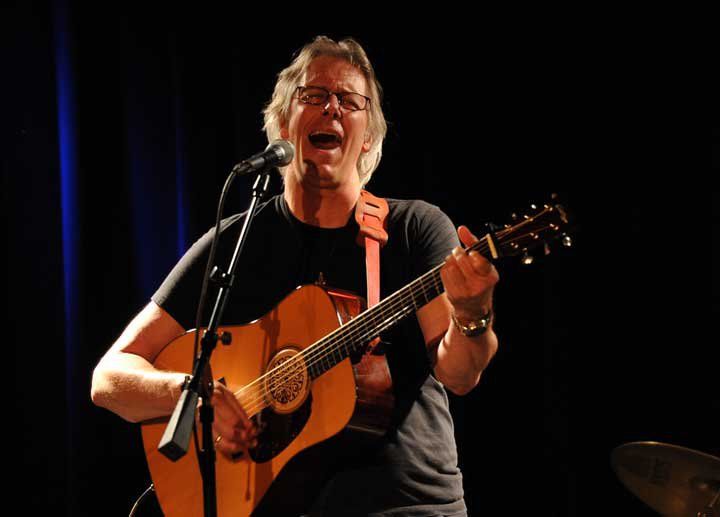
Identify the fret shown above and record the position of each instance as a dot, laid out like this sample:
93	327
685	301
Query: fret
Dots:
326	362
314	369
345	350
437	281
423	289
414	302
394	318
322	364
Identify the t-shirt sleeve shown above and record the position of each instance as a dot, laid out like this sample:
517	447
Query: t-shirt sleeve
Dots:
434	238
179	293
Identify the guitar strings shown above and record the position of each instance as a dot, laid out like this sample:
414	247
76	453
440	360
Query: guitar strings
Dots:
315	353
391	302
366	333
431	276
352	331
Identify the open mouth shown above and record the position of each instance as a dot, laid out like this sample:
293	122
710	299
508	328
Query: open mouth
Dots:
325	140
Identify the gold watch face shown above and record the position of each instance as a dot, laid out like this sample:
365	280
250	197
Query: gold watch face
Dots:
473	328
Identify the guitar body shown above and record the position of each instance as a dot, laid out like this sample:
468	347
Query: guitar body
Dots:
292	420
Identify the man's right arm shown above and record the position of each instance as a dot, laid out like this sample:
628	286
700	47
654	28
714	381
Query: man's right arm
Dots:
125	380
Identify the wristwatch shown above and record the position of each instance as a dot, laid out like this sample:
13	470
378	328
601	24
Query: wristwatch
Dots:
475	327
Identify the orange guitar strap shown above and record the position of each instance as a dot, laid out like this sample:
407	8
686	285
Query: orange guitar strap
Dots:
370	214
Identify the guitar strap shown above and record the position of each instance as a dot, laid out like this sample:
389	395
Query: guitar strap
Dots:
370	214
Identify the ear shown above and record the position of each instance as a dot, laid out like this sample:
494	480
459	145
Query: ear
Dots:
284	133
367	144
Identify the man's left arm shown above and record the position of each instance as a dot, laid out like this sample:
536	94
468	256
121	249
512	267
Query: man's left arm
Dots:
457	326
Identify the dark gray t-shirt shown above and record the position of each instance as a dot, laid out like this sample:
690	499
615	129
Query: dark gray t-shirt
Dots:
412	471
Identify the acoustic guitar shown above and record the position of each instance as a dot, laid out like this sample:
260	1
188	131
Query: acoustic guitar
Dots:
304	372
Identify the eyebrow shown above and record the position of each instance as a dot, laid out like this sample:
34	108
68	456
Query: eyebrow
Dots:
333	91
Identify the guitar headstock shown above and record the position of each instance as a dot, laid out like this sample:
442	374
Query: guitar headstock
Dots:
535	227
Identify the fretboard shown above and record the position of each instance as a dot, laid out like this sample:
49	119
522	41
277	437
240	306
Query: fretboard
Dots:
355	334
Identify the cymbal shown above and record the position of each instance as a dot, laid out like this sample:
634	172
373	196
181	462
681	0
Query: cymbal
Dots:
672	480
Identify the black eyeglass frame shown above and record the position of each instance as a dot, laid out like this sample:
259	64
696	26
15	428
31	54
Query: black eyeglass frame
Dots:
339	96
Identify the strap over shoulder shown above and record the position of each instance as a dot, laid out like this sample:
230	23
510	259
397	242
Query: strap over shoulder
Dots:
370	214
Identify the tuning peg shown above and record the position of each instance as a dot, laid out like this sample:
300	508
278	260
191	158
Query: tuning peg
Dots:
567	241
491	228
527	259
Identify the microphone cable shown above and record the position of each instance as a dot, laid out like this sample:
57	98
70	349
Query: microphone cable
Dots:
140	499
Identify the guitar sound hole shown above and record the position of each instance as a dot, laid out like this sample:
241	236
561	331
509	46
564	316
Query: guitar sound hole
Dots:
290	381
278	430
287	383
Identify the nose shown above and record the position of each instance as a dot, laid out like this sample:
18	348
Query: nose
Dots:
332	107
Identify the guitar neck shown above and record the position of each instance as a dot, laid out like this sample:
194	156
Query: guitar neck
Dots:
352	336
528	231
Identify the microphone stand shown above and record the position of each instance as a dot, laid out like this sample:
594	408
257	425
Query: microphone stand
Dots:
174	442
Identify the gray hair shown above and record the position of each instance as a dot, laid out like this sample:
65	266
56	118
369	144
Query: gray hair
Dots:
277	111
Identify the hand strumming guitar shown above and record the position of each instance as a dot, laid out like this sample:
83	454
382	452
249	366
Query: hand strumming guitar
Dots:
233	431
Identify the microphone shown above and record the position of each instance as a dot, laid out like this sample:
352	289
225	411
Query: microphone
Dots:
277	154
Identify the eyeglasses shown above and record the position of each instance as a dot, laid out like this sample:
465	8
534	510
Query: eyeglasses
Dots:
318	96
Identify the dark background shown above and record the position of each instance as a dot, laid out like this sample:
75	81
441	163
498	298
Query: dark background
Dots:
123	123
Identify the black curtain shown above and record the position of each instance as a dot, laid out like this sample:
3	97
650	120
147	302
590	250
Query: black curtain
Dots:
123	123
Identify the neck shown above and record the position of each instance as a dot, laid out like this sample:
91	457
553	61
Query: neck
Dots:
326	208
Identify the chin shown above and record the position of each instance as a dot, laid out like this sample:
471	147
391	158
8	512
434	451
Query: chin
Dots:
318	173
314	181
